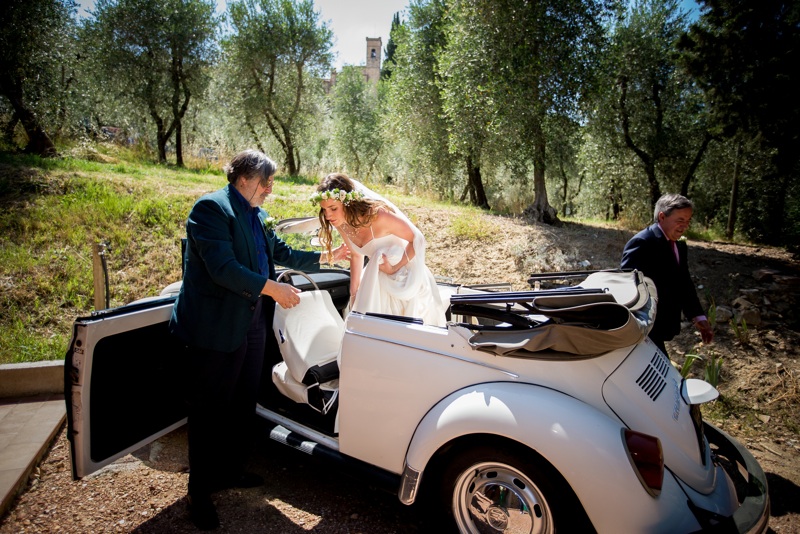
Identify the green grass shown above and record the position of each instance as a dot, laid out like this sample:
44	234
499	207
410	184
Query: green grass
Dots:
471	225
53	211
29	345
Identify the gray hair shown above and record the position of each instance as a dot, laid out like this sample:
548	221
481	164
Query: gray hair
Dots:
671	202
250	164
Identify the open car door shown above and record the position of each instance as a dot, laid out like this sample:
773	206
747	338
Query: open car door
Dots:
124	377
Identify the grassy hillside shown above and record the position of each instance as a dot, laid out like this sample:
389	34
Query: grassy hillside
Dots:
52	211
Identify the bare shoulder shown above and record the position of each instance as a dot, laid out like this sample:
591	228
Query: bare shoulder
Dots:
387	222
385	217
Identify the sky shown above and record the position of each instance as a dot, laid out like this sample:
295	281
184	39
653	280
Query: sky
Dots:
351	21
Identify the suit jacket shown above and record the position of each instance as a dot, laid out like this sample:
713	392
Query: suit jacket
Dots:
221	281
651	252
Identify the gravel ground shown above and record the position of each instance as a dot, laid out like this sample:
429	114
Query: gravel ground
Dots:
145	493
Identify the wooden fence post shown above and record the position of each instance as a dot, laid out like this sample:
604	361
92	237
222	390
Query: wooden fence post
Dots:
99	277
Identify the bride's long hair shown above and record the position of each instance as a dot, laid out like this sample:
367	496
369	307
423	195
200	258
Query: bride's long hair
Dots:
357	213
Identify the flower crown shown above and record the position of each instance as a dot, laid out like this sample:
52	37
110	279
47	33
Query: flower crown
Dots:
336	194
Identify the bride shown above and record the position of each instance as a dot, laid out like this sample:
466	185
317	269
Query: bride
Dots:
395	280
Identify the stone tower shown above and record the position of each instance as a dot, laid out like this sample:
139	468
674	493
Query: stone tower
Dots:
372	72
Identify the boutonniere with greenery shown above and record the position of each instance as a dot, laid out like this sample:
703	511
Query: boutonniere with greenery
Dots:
270	223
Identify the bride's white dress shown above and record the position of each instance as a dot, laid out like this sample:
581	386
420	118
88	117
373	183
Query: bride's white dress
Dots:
411	291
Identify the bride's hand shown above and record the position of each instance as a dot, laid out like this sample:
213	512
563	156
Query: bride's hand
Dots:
385	267
342	252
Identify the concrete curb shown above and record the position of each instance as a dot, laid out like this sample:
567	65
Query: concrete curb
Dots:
30	443
37	389
29	379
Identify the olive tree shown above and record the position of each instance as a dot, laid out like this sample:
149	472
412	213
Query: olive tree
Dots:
278	51
512	66
465	73
155	54
35	45
415	117
647	108
357	120
744	55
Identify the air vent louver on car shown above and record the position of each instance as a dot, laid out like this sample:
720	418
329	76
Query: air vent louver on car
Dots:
653	378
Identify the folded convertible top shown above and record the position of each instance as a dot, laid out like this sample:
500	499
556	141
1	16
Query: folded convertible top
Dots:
607	311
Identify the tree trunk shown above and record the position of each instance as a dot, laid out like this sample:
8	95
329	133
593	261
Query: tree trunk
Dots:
161	136
179	144
540	210
250	128
162	148
161	141
655	189
734	193
475	183
576	193
178	108
283	135
564	190
282	128
66	82
289	154
354	154
8	129
648	160
38	140
695	163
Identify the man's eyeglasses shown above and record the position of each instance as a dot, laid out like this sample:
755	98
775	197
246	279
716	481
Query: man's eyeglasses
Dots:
266	182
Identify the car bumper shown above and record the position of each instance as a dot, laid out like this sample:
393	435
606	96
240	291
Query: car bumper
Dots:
752	516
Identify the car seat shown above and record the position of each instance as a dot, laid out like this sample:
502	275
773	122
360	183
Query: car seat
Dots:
309	336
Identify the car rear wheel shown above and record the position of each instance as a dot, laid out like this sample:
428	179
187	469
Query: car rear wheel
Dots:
492	490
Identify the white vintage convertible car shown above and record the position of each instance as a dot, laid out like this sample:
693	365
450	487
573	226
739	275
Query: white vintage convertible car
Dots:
531	411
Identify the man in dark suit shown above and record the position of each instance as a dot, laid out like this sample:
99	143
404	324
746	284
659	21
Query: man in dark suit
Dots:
661	255
224	314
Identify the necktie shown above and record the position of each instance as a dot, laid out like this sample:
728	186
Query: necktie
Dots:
675	250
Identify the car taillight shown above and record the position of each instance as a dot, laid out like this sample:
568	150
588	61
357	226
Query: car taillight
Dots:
647	459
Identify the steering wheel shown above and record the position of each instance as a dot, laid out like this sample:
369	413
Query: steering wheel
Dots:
290	272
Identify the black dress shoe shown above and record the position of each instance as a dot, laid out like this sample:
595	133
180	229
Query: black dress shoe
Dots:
202	512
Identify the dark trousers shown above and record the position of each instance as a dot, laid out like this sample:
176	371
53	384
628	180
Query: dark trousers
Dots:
660	344
223	388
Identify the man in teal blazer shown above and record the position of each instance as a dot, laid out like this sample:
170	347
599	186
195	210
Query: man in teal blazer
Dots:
224	314
222	283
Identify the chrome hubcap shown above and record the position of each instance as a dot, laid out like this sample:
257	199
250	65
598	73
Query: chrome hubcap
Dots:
491	498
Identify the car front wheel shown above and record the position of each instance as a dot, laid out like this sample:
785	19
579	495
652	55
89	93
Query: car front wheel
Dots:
491	490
